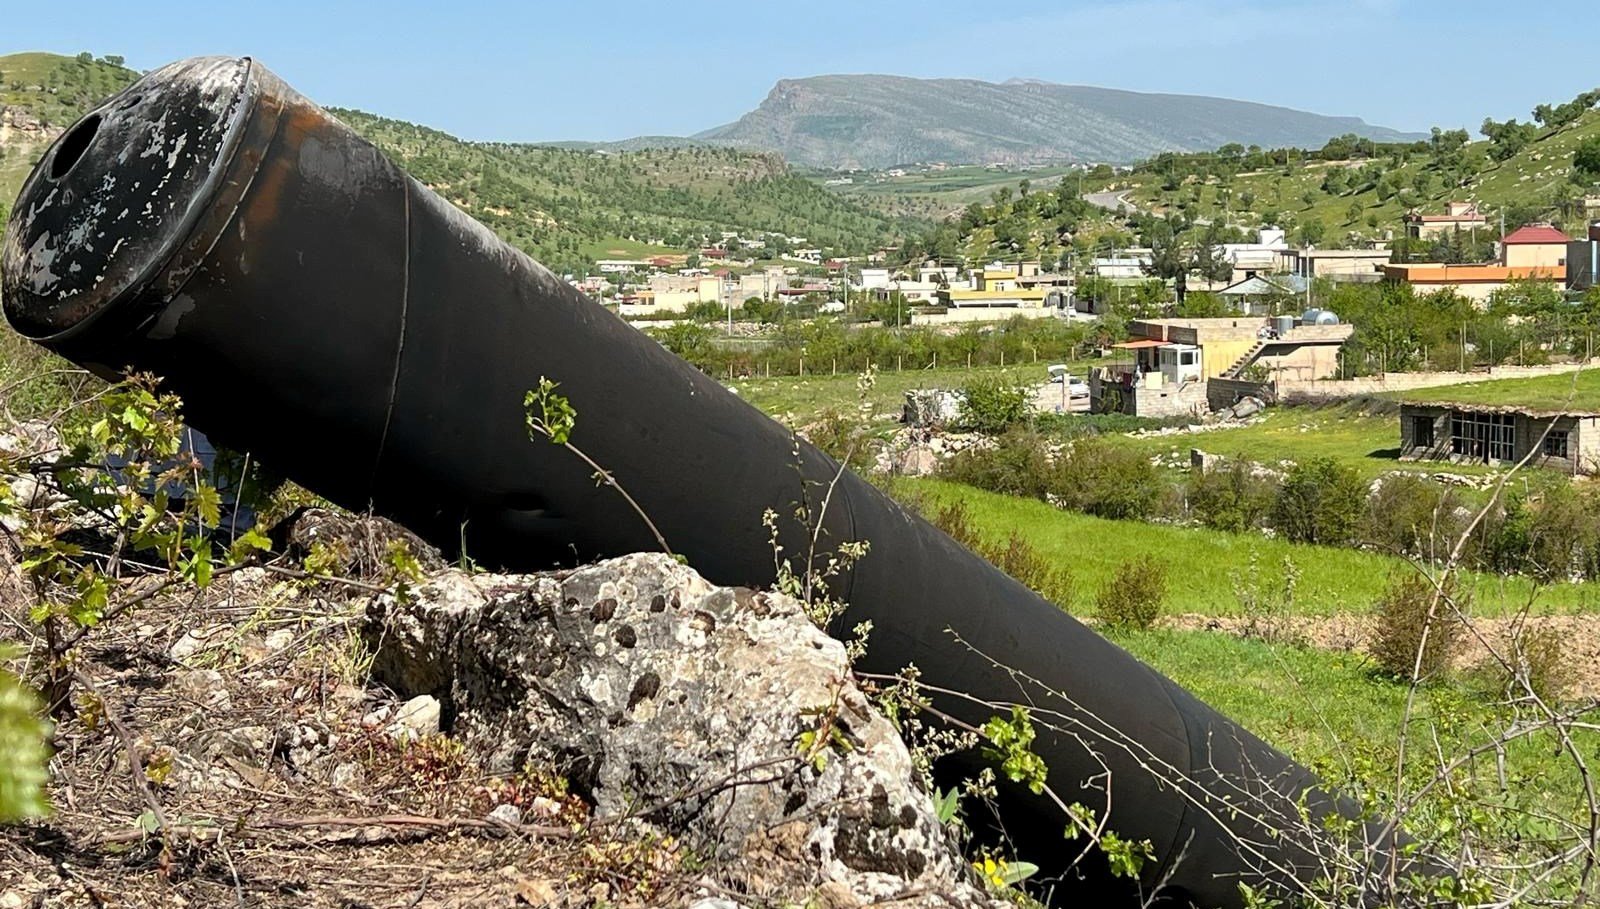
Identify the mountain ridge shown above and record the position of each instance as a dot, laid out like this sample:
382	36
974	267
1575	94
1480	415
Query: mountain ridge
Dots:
844	121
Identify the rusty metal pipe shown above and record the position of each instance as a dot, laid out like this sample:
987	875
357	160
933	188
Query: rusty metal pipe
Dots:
315	305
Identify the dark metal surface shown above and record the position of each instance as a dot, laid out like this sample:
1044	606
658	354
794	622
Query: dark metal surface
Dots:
357	333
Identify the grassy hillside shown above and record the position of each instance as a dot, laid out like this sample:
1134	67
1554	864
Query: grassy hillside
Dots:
1572	391
1362	197
566	207
570	206
41	94
1204	565
935	194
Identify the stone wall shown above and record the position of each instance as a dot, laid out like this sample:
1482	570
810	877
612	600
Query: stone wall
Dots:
1333	389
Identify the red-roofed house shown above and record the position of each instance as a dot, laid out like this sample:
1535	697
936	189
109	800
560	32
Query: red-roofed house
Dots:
1534	246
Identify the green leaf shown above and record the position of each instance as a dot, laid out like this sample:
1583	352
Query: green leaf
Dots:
1017	872
23	752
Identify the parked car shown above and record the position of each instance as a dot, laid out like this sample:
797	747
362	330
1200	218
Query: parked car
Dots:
1076	386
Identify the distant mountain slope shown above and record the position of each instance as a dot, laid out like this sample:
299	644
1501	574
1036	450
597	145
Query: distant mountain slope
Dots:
871	121
566	207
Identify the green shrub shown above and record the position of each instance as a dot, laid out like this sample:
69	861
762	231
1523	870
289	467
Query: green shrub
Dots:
1550	533
1017	464
992	406
1320	501
23	752
1134	597
1402	629
843	436
1539	660
1016	558
1019	559
1232	498
1108	481
1413	516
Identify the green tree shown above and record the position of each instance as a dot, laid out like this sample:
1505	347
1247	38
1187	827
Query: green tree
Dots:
1586	158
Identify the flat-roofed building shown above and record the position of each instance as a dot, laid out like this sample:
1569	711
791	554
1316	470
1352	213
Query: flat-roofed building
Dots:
1567	440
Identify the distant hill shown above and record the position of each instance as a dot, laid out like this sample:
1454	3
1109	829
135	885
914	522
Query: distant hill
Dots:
868	121
40	95
565	206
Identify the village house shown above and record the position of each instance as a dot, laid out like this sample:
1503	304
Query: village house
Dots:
1536	252
1259	295
1583	260
672	293
1354	265
1486	434
1182	367
993	296
1535	246
1457	216
620	266
1475	282
764	283
1259	258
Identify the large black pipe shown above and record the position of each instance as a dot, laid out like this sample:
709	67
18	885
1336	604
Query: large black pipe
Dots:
313	304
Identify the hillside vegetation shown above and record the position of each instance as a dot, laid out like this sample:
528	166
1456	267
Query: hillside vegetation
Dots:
40	94
1353	190
566	207
1349	190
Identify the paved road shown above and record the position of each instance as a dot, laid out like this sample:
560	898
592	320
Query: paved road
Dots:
1110	201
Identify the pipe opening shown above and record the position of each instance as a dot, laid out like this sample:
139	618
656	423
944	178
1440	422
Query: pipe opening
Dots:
73	146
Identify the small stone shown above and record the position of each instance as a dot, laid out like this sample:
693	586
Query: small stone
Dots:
347	696
279	640
507	814
196	640
537	892
344	777
835	895
416	718
205	687
376	718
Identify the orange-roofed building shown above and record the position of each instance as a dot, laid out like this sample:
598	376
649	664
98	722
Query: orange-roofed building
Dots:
1475	282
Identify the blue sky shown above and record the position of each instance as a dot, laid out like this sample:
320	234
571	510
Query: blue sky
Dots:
585	70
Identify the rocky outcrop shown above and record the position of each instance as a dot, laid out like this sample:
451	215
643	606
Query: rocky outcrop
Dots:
667	699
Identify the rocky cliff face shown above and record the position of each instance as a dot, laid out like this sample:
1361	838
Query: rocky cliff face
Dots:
667	699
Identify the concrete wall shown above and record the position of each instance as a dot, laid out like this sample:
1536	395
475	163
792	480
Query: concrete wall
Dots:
963	314
1300	363
1224	393
1535	255
1332	389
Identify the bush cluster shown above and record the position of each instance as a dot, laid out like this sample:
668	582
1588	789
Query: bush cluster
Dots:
824	344
991	405
1134	597
1084	475
1016	557
1416	628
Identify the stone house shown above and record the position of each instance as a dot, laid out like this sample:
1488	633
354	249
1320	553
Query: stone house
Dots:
1494	434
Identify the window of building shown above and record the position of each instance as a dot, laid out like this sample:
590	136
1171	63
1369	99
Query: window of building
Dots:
1555	444
1422	432
1188	357
1483	436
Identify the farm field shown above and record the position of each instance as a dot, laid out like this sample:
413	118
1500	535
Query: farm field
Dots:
1203	566
1572	391
1353	435
805	398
